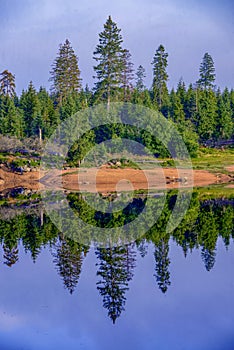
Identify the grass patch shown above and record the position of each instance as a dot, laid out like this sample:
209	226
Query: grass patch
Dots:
214	192
213	160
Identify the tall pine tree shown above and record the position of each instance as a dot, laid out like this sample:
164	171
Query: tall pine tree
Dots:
140	76
160	77
127	75
109	68
207	73
65	73
7	83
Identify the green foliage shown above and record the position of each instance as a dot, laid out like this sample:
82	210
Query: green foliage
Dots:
207	114
205	221
110	64
11	118
140	76
160	77
224	128
213	159
127	75
202	113
30	105
207	73
65	73
7	83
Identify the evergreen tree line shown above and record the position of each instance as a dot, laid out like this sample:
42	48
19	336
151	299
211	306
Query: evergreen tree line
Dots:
201	111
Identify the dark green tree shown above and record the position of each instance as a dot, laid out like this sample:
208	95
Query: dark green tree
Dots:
224	128
7	83
160	77
181	91
206	118
207	73
176	108
140	76
30	105
127	75
142	98
11	118
109	68
48	117
65	73
190	105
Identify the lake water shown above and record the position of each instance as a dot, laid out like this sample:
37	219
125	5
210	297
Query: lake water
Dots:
164	291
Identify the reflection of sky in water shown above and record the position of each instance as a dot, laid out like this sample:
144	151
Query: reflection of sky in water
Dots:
36	312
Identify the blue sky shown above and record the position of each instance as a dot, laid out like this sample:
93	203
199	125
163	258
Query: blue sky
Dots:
31	32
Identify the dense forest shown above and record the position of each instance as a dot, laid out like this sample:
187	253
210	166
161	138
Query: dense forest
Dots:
205	222
202	112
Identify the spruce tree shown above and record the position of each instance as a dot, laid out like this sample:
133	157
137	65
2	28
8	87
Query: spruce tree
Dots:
181	91
206	115
127	75
30	105
48	114
190	107
7	83
65	73
224	127
160	76
207	73
11	118
176	108
140	76
108	55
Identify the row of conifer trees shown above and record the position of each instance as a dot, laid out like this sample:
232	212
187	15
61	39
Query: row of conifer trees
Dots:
202	111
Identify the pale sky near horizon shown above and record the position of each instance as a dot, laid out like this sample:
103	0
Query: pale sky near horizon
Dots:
32	31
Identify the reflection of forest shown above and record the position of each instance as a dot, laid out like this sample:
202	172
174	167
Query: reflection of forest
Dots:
203	223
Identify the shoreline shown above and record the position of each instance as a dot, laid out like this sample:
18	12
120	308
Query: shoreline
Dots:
106	179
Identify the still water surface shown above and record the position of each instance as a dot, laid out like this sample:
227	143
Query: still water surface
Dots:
162	292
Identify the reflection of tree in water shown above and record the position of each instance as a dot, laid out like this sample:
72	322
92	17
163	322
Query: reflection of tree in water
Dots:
10	255
208	257
68	258
208	232
142	247
32	238
116	266
203	224
162	265
10	244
